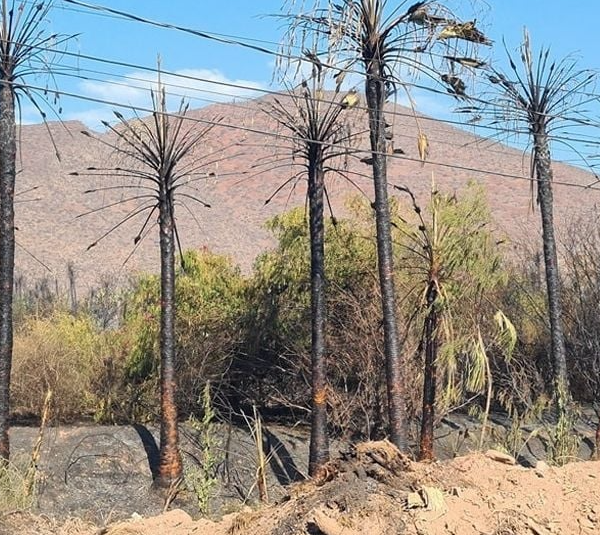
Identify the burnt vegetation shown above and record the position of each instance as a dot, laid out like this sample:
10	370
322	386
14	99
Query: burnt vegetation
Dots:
375	322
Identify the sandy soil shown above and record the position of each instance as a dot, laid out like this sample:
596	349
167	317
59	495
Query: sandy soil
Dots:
374	490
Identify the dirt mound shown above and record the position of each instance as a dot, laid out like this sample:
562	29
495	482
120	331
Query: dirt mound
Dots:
373	489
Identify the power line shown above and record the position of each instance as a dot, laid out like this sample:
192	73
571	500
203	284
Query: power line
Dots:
273	92
238	40
222	38
252	88
352	150
243	106
589	142
112	16
417	116
221	94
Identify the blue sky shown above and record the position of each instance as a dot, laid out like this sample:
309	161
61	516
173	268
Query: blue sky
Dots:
550	22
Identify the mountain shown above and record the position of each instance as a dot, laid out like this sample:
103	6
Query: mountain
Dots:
50	229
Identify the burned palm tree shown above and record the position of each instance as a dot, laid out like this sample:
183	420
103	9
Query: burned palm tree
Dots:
161	167
540	99
318	136
427	245
384	40
24	47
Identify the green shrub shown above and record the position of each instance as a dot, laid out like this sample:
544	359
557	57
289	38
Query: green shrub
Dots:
201	472
61	353
276	372
471	272
210	296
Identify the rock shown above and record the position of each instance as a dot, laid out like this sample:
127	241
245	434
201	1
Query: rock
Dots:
330	526
535	528
456	491
429	498
500	457
434	499
542	466
414	500
587	524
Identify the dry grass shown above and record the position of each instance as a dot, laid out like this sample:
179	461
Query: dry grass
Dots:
24	523
60	353
16	482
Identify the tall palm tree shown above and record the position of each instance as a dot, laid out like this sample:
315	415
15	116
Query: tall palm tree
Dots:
161	168
23	47
314	120
384	39
538	99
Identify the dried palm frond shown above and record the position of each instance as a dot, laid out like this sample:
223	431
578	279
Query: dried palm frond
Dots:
467	62
423	147
457	86
466	31
350	100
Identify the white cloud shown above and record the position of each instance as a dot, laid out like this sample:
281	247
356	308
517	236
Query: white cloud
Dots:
92	117
29	114
199	87
428	103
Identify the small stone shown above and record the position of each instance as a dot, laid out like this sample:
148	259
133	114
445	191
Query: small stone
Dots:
414	500
535	528
542	466
360	472
586	524
500	457
456	491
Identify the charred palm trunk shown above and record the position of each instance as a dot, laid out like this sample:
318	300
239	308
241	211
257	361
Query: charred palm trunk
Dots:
396	389
8	151
430	376
544	188
170	468
319	441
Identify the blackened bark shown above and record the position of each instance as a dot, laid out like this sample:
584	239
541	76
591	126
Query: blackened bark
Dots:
319	441
170	468
395	362
430	376
8	152
544	186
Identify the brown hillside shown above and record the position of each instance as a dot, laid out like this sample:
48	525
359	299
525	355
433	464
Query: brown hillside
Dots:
50	229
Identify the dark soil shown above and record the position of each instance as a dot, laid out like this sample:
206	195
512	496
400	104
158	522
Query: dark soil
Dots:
104	474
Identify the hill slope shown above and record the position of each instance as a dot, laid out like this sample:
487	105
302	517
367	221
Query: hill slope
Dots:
50	230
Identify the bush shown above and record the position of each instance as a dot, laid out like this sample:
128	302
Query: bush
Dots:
581	295
277	370
210	297
61	353
276	373
522	382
